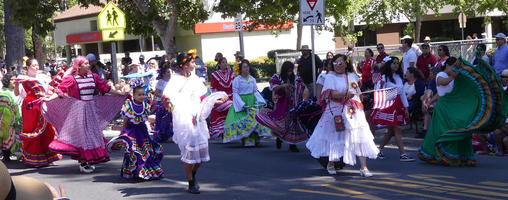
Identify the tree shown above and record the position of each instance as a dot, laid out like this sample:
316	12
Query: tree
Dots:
15	39
275	14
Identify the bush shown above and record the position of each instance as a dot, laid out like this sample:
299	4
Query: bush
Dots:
271	54
263	66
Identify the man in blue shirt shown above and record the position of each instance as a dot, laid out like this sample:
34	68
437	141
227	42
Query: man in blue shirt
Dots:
500	57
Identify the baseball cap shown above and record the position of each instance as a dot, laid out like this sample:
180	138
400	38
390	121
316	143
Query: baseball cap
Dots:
500	35
405	37
141	57
90	57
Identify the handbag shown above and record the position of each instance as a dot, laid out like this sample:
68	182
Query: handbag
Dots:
339	119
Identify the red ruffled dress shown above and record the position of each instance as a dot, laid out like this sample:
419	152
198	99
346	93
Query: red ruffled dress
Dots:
221	81
81	119
37	133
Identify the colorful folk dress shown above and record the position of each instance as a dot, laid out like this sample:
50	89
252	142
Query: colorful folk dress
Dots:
283	123
163	130
477	104
356	139
10	122
81	117
37	133
190	107
240	122
143	156
221	81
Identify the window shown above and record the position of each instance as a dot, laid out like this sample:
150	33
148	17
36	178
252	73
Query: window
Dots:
93	25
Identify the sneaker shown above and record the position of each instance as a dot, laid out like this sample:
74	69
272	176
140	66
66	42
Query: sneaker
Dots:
380	155
406	158
331	169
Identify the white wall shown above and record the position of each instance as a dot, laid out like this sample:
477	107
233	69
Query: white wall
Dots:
258	43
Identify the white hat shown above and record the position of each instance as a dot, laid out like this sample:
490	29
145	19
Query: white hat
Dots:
427	38
405	37
500	35
504	73
484	33
305	48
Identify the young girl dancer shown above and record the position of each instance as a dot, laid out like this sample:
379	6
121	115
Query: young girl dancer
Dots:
163	119
186	99
143	156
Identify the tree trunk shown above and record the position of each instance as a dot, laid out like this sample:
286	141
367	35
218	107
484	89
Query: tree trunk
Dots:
418	27
299	29
165	31
14	40
38	49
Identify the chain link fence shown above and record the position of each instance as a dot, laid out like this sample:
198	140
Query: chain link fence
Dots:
458	48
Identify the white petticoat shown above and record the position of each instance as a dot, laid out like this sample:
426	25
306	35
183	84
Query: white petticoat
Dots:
356	140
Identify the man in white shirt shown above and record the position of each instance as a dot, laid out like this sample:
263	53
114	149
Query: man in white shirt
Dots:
408	56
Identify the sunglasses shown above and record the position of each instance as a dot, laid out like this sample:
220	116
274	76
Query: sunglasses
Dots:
396	62
380	48
337	63
439	49
498	39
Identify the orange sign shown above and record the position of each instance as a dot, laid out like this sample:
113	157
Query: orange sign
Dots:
221	27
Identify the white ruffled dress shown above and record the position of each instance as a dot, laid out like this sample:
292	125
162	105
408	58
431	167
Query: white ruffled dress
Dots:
190	110
356	140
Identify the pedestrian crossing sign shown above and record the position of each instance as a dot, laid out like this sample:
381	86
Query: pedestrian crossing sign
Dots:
113	34
111	17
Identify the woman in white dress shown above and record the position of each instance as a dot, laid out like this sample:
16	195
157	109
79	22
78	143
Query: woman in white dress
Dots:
185	98
340	97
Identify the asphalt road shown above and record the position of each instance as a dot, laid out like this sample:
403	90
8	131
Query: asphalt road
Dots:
268	173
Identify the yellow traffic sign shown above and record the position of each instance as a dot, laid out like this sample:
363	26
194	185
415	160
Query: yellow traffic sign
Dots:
111	17
113	34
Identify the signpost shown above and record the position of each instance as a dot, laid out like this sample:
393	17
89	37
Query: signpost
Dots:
239	29
462	23
312	13
112	24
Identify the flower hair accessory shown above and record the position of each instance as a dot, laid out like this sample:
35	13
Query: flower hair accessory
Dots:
135	83
191	54
387	59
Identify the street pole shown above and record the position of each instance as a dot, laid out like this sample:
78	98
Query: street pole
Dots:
313	61
113	60
240	33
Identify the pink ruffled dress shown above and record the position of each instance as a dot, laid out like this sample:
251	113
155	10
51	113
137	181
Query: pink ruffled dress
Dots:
81	119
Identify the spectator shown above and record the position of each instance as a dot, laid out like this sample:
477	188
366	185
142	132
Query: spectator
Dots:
415	47
305	67
144	66
382	54
409	57
127	60
414	88
425	61
427	107
443	53
483	53
426	40
238	59
350	54
500	57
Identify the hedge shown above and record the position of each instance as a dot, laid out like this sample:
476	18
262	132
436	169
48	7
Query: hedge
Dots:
264	67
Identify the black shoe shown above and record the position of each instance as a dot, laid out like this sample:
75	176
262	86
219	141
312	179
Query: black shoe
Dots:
194	178
192	188
293	148
7	155
278	143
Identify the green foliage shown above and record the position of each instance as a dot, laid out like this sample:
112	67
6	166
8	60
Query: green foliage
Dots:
271	54
140	22
409	29
264	66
